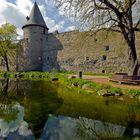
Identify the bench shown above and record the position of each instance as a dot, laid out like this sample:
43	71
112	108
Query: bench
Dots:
123	81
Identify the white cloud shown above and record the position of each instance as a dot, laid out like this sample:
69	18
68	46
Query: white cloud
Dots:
53	26
15	13
24	6
18	124
70	28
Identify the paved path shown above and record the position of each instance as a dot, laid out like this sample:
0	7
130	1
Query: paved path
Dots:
105	80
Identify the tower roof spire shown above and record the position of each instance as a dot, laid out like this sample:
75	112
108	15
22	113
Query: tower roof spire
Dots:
35	17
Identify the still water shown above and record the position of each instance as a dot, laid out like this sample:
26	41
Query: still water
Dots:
31	110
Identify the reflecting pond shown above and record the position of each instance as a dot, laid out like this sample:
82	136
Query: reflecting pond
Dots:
31	110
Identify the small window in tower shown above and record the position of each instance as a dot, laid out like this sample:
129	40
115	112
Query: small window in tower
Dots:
48	58
106	48
44	31
27	18
41	39
87	58
104	58
39	58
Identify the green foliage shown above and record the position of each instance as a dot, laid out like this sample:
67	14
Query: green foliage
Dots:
7	37
8	113
70	82
78	81
8	34
134	93
116	90
26	75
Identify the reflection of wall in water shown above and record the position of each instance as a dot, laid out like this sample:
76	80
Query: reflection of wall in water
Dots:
39	99
83	128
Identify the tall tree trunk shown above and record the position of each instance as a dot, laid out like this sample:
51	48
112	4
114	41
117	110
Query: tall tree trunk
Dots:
7	63
133	69
130	40
129	35
131	45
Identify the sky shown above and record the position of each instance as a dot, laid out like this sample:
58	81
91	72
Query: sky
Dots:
16	11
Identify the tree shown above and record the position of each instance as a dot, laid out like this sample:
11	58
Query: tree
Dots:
8	35
114	15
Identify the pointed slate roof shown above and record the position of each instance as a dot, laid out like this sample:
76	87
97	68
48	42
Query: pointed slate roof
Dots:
35	18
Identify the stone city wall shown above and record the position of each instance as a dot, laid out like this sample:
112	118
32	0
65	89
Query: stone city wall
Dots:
76	51
85	51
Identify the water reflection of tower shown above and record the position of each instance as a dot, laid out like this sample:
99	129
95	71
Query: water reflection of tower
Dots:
40	100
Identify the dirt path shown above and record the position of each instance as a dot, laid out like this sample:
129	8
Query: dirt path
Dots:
105	80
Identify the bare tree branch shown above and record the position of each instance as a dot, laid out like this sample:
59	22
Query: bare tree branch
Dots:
138	23
112	15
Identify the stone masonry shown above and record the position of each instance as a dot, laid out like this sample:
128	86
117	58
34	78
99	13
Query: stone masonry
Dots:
71	51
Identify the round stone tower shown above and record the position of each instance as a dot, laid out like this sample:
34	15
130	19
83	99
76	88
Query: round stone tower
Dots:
35	36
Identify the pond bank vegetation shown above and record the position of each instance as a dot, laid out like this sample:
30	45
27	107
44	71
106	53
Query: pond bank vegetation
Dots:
89	86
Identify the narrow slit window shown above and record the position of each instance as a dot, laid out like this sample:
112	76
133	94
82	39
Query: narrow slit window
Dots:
106	48
39	58
44	31
87	58
104	58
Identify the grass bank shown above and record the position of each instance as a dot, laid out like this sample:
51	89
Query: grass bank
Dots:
88	86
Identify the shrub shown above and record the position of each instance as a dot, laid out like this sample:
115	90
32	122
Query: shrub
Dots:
116	90
134	93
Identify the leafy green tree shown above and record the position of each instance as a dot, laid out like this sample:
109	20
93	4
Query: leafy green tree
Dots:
8	35
114	15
